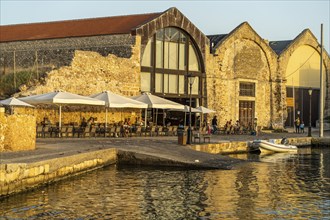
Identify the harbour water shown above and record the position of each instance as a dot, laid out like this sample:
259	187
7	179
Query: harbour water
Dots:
278	186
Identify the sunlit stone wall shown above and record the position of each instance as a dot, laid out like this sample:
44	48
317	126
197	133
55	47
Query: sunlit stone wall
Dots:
90	73
17	177
3	125
17	132
243	57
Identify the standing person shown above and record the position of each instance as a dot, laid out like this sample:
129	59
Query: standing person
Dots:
297	124
255	126
302	127
214	124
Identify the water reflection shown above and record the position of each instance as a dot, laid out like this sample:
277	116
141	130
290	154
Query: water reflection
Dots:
280	186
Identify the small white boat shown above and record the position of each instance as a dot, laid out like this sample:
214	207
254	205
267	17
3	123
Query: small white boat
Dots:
272	146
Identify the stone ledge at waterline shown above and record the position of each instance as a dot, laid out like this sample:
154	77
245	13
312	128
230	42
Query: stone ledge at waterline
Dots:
17	177
232	147
55	158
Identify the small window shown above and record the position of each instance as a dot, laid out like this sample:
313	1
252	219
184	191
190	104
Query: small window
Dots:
247	89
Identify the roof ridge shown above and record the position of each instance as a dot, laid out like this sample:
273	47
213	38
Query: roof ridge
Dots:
82	19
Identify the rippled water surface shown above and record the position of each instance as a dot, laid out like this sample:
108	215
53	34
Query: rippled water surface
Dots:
278	186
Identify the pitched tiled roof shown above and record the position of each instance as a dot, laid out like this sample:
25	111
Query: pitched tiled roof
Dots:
279	46
74	28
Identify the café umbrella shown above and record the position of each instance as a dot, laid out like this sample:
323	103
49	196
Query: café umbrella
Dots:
60	98
14	102
113	100
156	102
186	110
205	110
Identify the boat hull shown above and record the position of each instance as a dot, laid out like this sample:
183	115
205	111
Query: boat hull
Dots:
275	147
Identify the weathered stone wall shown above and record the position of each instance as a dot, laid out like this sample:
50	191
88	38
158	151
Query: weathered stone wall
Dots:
242	57
18	177
33	59
55	53
91	73
17	132
3	127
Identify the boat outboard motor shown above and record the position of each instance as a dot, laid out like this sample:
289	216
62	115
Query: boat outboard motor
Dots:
284	141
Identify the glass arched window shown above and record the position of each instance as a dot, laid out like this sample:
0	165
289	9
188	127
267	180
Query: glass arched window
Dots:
167	58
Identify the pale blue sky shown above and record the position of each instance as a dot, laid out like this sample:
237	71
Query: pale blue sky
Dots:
272	20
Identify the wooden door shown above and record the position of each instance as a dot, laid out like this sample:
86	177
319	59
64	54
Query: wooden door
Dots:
246	112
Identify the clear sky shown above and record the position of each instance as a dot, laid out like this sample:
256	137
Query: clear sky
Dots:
272	20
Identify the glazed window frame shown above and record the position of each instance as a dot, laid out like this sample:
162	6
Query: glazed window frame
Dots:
169	56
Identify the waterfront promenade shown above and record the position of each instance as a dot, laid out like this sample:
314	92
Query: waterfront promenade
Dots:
57	158
157	146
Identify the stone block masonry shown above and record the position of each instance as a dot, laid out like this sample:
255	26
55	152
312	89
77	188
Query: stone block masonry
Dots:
243	146
17	177
17	132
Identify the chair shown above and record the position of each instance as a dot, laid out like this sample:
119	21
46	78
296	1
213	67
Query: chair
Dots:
78	131
144	131
63	131
137	132
222	130
197	135
47	131
118	131
92	133
160	131
86	132
153	131
40	132
112	131
69	132
106	131
202	133
175	130
147	131
54	131
101	131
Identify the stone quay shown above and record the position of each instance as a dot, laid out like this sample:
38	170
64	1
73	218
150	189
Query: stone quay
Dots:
58	158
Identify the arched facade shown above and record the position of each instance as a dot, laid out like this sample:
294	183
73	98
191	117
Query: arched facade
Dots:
167	59
172	49
242	70
299	66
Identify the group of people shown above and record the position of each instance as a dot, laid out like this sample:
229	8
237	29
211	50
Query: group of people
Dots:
299	125
234	128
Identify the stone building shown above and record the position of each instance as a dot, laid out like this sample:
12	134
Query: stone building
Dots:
242	71
238	74
299	68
